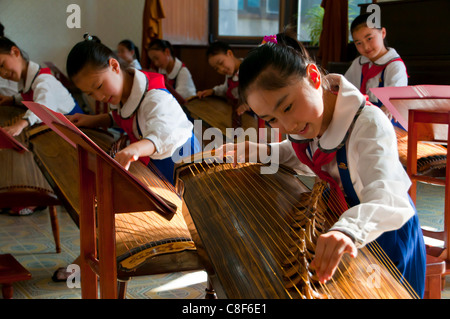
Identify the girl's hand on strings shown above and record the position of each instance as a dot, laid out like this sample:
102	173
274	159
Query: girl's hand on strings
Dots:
245	152
16	128
126	156
329	250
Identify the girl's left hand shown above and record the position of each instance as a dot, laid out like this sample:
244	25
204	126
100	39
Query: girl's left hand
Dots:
16	128
241	109
329	250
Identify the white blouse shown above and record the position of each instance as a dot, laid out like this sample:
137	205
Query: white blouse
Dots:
161	118
47	90
378	177
184	83
8	88
394	74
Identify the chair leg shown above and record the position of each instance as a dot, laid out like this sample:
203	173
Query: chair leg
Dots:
210	293
122	289
55	227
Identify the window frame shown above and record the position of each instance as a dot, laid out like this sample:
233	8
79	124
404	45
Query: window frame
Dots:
288	8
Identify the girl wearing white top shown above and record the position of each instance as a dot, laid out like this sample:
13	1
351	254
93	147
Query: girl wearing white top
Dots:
378	65
129	52
330	118
34	83
158	129
163	58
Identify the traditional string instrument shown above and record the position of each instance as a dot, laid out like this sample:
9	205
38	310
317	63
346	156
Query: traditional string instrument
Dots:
22	184
145	242
256	234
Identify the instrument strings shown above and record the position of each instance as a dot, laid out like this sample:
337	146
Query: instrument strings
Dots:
278	241
133	228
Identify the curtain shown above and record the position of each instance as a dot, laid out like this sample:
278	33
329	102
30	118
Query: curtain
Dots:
152	29
334	36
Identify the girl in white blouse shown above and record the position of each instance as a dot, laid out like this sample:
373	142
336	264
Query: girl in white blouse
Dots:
129	52
157	127
378	65
329	117
34	83
178	76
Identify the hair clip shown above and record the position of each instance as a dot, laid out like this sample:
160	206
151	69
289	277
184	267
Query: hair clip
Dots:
270	38
87	37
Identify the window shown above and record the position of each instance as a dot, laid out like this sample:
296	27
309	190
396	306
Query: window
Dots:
247	21
310	15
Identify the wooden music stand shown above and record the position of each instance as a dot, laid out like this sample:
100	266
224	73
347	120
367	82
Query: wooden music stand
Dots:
106	189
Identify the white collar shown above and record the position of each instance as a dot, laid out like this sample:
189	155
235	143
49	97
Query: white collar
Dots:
176	69
388	56
348	104
138	90
32	72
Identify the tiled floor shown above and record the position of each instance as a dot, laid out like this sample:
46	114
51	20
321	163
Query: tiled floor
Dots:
29	239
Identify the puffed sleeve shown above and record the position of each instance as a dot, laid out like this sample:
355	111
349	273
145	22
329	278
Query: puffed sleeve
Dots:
163	122
379	180
48	91
185	85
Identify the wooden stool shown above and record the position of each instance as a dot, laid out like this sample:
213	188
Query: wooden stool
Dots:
435	270
11	271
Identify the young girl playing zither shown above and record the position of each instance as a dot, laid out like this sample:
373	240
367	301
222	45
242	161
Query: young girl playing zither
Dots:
35	84
158	128
346	141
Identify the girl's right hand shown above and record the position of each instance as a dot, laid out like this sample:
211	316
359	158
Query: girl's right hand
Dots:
205	93
245	152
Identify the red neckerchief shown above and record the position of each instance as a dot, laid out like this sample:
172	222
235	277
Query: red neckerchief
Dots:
370	72
232	84
336	199
28	96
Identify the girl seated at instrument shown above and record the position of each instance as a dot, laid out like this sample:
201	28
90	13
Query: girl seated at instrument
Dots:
129	52
35	84
345	140
222	59
378	65
178	76
157	127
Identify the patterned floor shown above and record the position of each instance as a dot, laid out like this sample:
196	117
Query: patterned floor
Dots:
29	239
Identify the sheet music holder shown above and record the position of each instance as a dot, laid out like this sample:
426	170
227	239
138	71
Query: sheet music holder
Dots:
106	189
429	96
9	142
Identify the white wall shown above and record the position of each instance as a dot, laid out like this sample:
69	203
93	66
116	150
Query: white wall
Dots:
39	26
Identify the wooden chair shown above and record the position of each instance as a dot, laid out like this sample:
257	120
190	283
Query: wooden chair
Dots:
11	271
416	117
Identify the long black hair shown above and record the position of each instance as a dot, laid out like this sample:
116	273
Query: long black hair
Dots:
90	52
270	67
6	45
161	45
131	47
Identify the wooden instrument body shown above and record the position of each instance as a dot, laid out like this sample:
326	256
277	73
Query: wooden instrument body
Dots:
22	183
145	242
242	224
